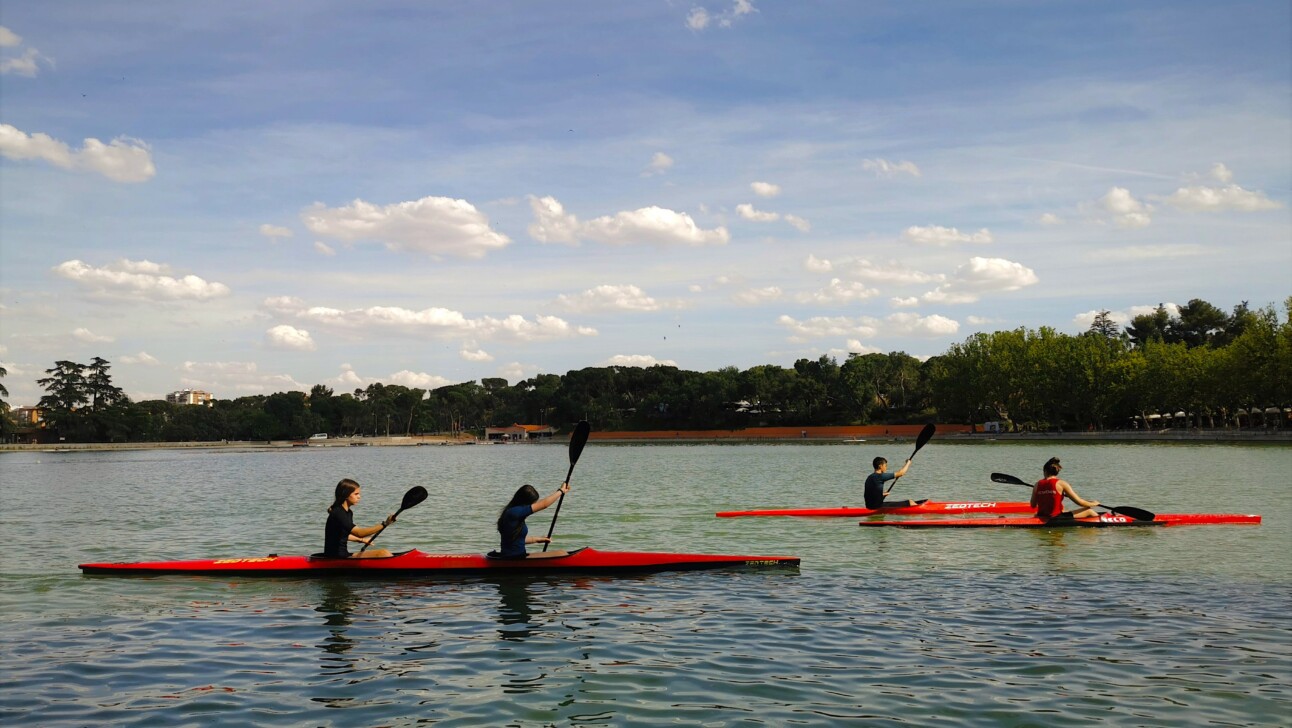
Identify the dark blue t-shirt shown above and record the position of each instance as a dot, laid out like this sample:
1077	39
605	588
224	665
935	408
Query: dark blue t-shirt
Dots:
336	535
875	489
513	530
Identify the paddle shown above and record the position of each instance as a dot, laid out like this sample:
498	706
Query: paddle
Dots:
1138	514
925	435
577	440
415	495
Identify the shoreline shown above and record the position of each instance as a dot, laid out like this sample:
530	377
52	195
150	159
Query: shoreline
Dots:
809	435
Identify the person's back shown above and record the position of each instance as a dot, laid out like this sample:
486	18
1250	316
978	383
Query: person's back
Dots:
1047	497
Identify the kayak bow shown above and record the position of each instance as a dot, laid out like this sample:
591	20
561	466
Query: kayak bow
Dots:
1103	520
929	508
416	563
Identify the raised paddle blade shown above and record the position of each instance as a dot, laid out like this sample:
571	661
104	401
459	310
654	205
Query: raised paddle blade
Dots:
925	435
578	439
1008	479
415	495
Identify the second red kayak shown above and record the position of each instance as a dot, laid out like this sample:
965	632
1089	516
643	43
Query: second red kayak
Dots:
944	508
1104	520
416	563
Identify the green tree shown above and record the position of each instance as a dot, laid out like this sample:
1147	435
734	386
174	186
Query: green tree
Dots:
67	393
1199	323
1148	327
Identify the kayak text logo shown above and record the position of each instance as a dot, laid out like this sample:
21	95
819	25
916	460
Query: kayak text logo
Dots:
968	506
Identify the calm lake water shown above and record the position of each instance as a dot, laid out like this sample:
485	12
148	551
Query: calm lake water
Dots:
1153	626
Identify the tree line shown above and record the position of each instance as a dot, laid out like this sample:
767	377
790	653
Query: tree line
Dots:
1202	361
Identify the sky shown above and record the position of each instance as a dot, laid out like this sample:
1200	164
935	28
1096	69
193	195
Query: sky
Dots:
251	197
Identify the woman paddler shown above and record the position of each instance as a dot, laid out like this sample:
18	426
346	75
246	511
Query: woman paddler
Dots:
1048	494
512	530
340	530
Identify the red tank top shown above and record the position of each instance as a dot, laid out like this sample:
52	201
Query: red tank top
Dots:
1049	501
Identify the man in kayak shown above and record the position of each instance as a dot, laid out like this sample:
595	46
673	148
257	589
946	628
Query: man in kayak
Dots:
511	523
340	530
1048	494
875	493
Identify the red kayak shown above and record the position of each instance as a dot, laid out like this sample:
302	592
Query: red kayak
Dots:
928	508
416	563
1103	520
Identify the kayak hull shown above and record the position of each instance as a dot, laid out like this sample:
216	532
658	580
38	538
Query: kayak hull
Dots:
931	508
417	563
1104	520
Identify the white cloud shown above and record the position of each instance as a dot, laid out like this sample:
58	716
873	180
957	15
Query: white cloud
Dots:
1050	218
275	231
1084	320
1221	173
609	298
418	380
799	223
516	372
839	292
819	327
323	248
904	302
654	225
1229	198
432	225
89	337
938	235
432	321
143	358
642	361
290	337
885	168
981	320
121	160
765	189
237	378
1171	310
854	346
139	280
699	18
911	324
748	212
981	276
755	296
27	62
817	265
659	164
474	354
892	273
1126	211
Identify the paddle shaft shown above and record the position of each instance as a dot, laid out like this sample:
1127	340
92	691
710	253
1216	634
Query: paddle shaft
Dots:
577	441
415	495
925	435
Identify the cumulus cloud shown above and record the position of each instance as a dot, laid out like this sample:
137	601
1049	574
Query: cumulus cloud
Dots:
891	272
121	160
798	223
418	380
765	189
143	358
838	292
239	377
885	168
817	265
430	321
275	231
748	212
659	164
911	324
432	225
981	276
654	225
471	352
642	361
143	280
700	18
755	296
864	327
1084	320
24	60
938	235
1126	211
89	337
290	338
1221	173
1230	198
609	298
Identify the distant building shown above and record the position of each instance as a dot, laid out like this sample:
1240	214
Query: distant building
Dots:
519	432
29	416
189	396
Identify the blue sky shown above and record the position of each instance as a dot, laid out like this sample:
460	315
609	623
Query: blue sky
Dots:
251	197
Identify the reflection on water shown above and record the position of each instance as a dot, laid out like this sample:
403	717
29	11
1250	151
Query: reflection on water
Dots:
337	603
515	609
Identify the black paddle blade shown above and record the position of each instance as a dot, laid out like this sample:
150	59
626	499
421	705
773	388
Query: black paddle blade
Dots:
415	495
1138	514
925	435
1008	479
578	439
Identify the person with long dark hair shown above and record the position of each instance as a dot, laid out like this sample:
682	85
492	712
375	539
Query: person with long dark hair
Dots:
511	522
340	530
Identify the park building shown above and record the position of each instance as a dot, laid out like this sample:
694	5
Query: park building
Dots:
190	396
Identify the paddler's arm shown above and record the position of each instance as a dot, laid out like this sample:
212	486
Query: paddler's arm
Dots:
548	500
359	533
1066	489
897	475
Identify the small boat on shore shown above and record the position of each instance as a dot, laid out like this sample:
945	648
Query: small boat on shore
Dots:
1103	520
945	508
416	563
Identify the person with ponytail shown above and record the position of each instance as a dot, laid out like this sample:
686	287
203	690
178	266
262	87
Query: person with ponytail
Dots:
511	523
341	529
